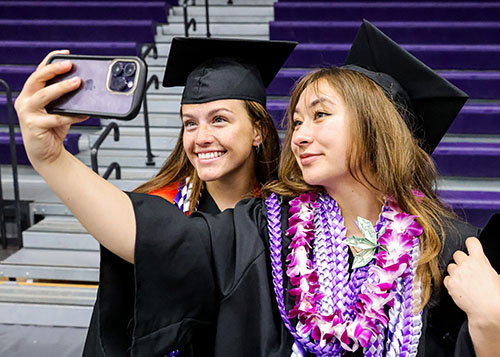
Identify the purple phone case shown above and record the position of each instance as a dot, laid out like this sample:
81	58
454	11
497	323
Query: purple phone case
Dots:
93	97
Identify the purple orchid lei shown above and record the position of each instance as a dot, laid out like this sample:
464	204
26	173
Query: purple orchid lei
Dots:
344	317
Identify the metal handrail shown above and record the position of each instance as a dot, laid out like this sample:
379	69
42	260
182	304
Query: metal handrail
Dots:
192	21
113	166
148	48
94	150
207	19
154	79
13	159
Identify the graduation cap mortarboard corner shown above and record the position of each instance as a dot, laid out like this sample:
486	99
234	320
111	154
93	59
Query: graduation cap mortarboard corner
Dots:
433	101
213	69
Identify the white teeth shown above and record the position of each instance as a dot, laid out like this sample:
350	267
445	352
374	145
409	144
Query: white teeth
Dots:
210	155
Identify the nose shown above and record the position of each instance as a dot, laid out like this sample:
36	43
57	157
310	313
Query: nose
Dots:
204	135
303	136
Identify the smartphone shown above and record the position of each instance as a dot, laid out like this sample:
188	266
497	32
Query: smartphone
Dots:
490	239
111	87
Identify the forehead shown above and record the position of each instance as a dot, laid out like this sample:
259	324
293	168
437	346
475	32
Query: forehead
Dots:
318	92
231	105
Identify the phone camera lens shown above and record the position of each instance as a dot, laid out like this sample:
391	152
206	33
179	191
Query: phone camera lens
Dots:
118	84
129	69
117	69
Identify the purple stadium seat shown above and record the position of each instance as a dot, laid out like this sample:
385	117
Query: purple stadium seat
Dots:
468	159
95	10
475	207
483	57
429	32
77	30
479	85
31	52
4	119
383	11
70	143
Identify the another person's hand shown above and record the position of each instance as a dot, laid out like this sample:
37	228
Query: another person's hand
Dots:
43	133
475	287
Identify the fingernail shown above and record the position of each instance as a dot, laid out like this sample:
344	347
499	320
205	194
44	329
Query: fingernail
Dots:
65	63
74	80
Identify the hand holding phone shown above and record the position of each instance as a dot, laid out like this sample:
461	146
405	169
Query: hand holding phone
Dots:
111	87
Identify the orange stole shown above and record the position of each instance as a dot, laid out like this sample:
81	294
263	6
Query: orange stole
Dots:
167	192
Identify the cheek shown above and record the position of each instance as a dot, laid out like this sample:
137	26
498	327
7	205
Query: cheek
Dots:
187	142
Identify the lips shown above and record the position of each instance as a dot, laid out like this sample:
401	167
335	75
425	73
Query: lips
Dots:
210	155
307	158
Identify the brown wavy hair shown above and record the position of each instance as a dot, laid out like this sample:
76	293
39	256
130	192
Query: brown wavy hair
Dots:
178	167
382	155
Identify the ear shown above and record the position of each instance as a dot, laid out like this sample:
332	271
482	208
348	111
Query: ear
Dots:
257	135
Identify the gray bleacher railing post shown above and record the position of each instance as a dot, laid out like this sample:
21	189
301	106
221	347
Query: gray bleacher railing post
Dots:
95	148
113	166
3	228
192	21
13	159
153	79
207	19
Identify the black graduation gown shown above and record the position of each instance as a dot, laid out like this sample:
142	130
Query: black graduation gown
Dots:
203	283
110	332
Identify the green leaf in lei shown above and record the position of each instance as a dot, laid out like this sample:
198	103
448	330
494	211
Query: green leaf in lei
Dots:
367	244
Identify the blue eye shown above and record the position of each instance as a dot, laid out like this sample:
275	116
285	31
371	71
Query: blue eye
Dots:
189	124
297	122
219	120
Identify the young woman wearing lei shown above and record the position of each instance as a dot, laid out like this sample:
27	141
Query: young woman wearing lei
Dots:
351	266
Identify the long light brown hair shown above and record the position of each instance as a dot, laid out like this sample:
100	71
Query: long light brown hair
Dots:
178	167
382	155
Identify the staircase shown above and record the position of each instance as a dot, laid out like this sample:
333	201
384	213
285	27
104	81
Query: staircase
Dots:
53	279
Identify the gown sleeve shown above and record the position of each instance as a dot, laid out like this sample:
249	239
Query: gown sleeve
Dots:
175	289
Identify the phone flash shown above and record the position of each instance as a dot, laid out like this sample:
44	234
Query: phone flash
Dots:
130	84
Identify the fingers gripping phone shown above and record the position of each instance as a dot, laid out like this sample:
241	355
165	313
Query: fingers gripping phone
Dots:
111	87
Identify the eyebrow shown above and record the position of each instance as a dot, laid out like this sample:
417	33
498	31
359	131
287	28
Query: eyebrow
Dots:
210	113
317	101
320	100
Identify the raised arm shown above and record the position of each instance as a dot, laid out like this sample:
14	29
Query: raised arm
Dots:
475	287
104	210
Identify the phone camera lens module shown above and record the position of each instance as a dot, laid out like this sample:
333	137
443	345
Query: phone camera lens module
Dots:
118	84
129	69
117	69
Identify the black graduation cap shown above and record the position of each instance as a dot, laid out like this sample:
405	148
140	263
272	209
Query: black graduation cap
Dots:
213	69
432	101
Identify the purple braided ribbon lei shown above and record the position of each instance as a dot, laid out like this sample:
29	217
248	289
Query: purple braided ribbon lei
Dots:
274	228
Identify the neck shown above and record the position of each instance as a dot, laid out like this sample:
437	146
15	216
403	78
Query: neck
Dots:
356	200
226	193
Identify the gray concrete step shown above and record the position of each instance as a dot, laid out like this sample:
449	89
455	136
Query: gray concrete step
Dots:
45	315
40	293
46	304
34	188
237	3
235	19
244	10
52	264
220	33
216	30
59	232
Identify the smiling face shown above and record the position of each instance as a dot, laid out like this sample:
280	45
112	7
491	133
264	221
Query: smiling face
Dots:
321	135
218	139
